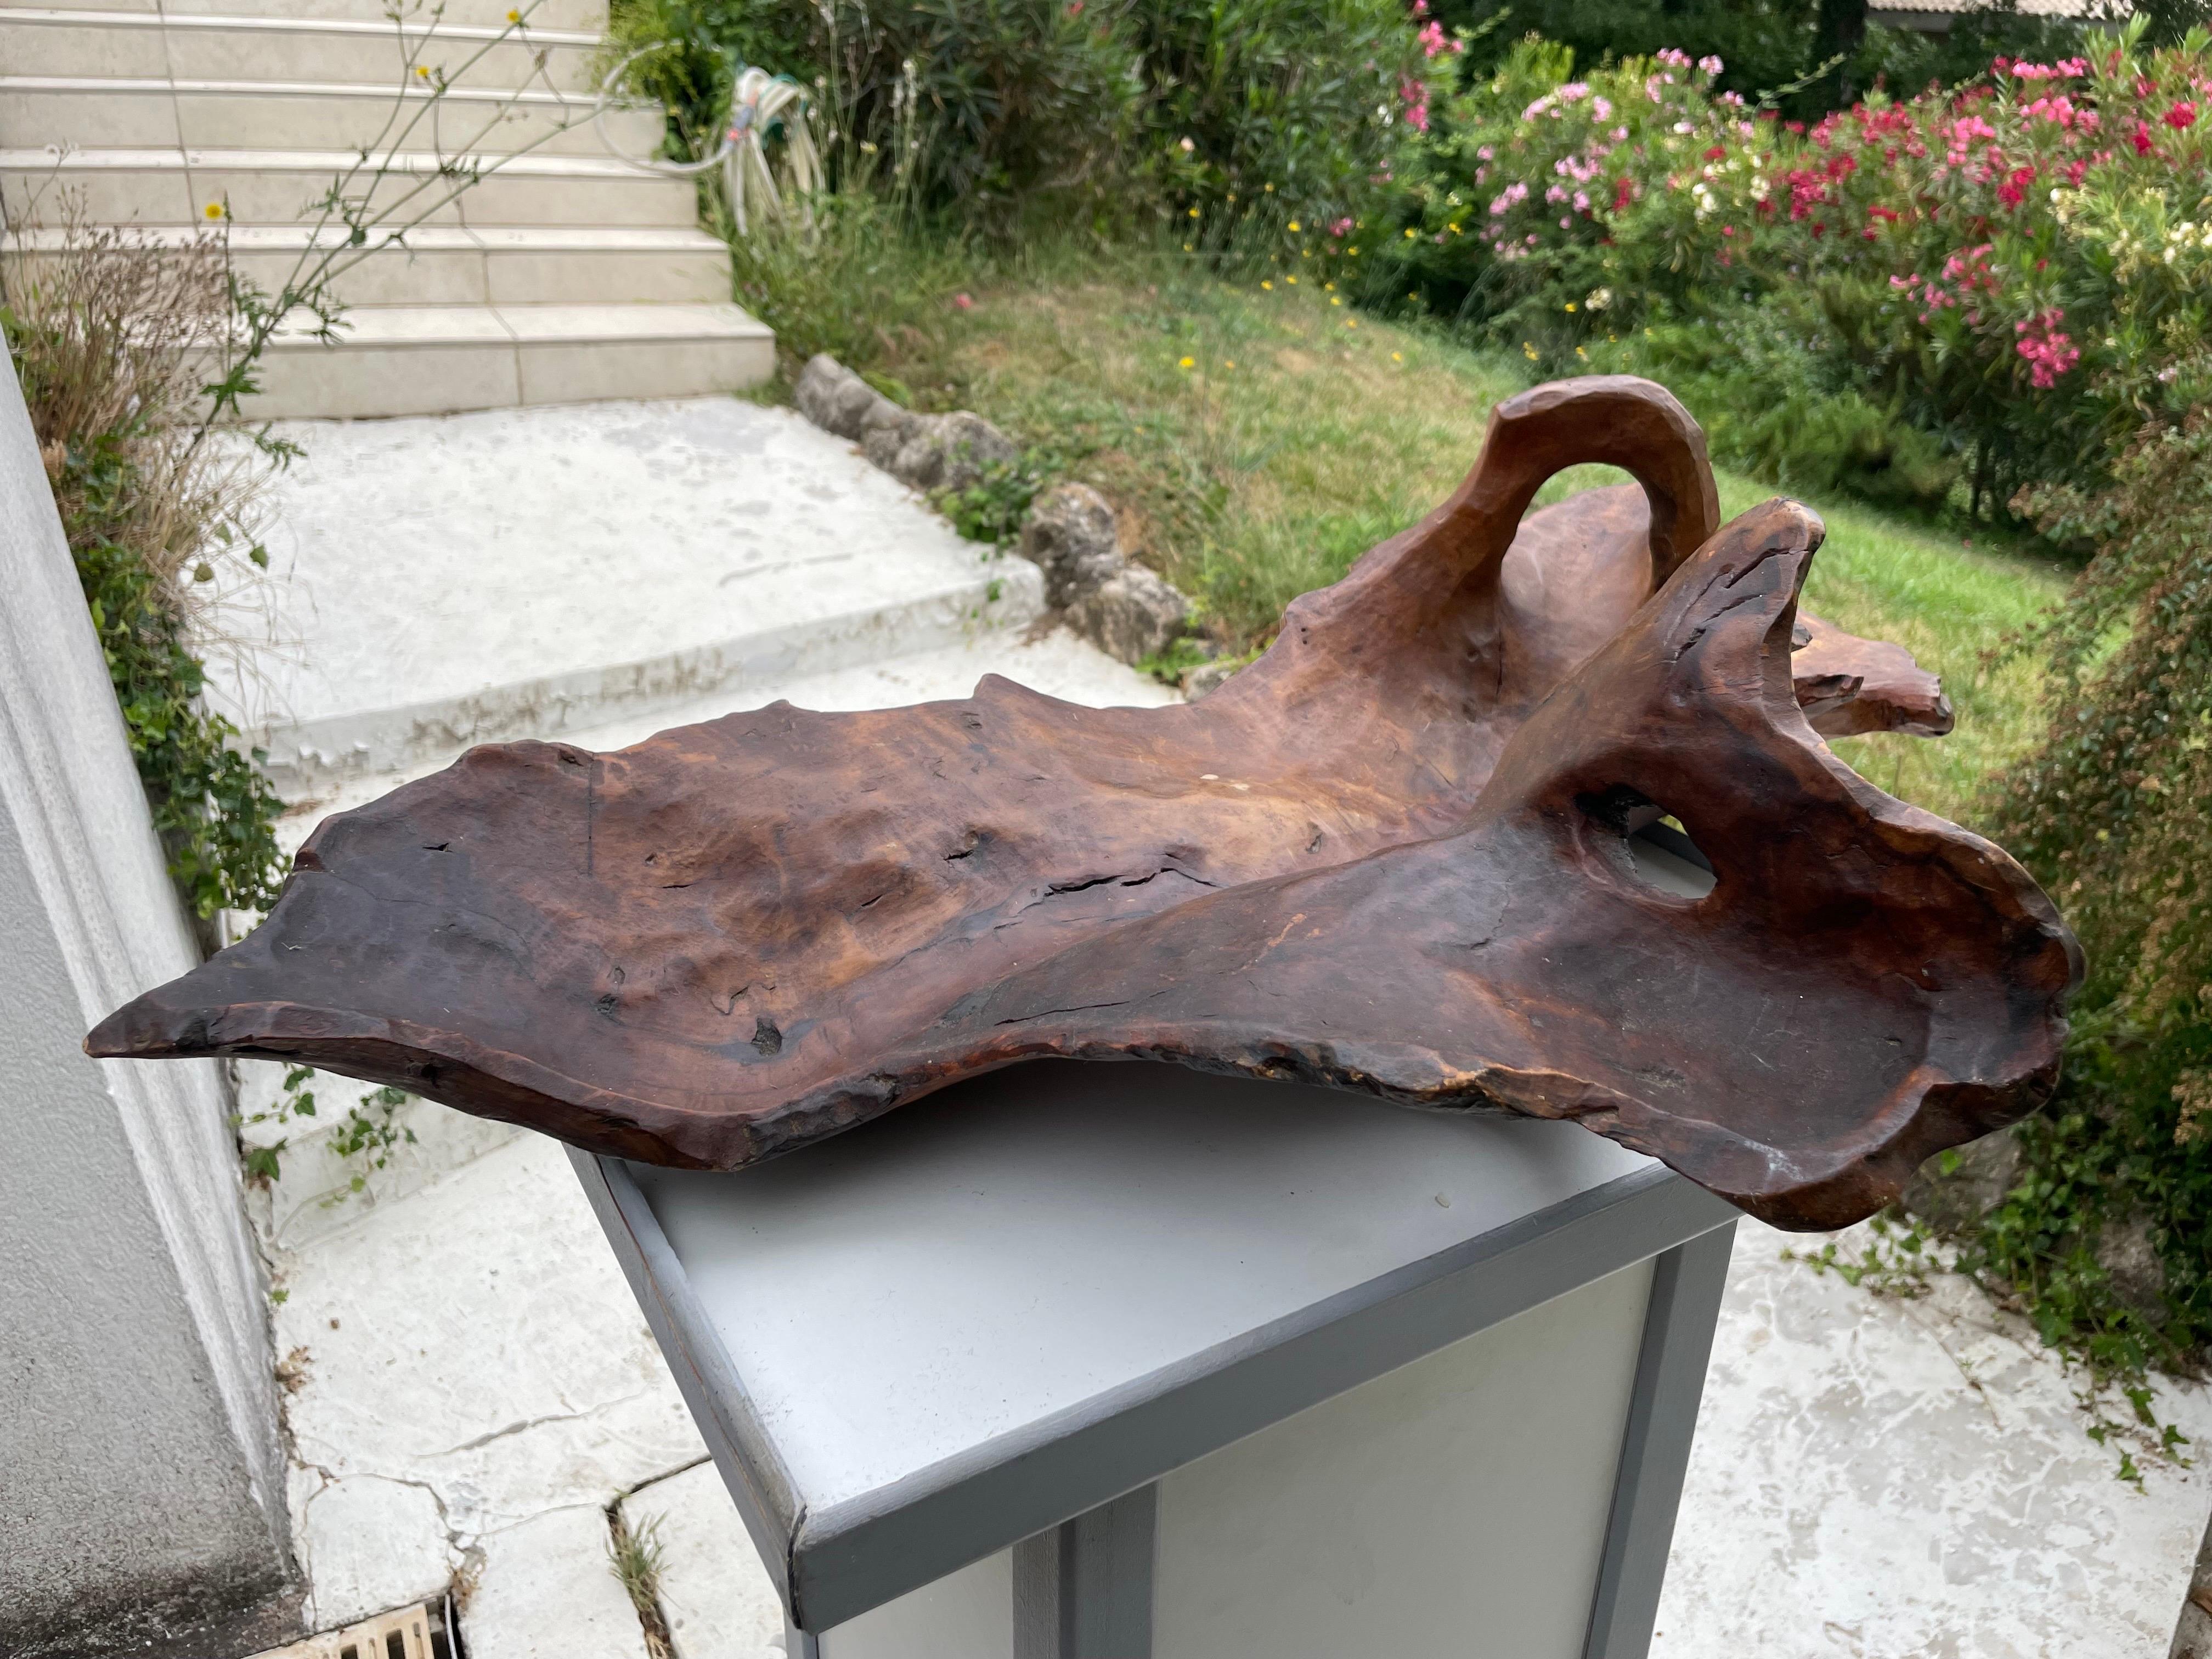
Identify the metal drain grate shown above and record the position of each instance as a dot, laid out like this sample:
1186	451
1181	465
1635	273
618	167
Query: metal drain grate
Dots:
422	1631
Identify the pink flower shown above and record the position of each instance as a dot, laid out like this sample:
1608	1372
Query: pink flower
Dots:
2141	138
962	302
2047	352
1711	65
1433	41
2183	114
1581	200
1339	227
1415	97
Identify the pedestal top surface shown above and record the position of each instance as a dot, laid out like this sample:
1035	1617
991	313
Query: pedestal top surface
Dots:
1007	1250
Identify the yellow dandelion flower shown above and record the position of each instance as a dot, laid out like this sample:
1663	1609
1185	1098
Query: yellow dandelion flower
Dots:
1397	356
1229	363
422	71
1270	287
1353	251
1570	305
1409	232
1581	354
1185	363
1529	352
514	17
1270	189
1193	213
1294	227
1334	301
1292	280
1328	288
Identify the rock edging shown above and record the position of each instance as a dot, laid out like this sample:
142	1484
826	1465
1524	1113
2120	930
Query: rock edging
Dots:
1071	532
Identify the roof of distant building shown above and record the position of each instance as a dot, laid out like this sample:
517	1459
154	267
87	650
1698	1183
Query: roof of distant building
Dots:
1941	14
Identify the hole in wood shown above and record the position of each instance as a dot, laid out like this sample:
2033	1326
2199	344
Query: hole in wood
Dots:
1660	850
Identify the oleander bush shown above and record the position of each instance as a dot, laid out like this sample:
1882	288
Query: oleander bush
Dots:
2014	270
1808	58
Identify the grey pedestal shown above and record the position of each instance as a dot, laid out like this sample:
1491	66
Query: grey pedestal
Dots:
1084	1361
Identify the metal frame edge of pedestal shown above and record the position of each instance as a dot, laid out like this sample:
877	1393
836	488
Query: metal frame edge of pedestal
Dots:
835	1564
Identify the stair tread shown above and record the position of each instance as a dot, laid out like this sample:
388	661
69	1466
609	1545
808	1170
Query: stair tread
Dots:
220	22
376	327
589	564
426	239
311	161
166	86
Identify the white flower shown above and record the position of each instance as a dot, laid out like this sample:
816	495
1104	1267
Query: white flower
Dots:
1598	299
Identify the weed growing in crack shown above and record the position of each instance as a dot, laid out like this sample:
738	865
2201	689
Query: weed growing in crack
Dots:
634	1554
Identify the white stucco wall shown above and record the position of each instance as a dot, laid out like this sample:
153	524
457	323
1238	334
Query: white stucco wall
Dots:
140	1476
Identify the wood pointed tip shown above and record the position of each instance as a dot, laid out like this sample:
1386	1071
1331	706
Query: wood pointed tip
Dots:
176	1021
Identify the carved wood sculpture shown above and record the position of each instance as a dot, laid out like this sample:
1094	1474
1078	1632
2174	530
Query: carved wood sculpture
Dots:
1391	856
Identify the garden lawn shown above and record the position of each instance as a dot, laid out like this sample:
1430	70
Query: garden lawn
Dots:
1264	437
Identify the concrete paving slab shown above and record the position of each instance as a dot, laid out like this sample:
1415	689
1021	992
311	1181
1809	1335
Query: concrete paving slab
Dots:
476	1341
545	1590
1876	1478
715	1593
370	1544
524	572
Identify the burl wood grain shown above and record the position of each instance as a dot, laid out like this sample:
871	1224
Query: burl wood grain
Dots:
1391	856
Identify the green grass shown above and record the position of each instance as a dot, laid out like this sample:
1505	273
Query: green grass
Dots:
1260	440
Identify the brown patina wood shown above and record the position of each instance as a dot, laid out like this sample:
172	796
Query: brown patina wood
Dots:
1391	856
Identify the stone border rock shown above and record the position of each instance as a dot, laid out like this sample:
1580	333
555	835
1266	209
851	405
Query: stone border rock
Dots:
1070	531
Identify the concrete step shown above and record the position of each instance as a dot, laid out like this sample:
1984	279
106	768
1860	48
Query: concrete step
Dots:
562	16
525	572
171	186
215	46
37	112
436	360
453	266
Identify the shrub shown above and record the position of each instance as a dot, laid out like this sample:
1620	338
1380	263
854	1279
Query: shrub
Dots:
108	332
986	108
2113	812
999	112
1261	114
1778	47
2018	270
1776	398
